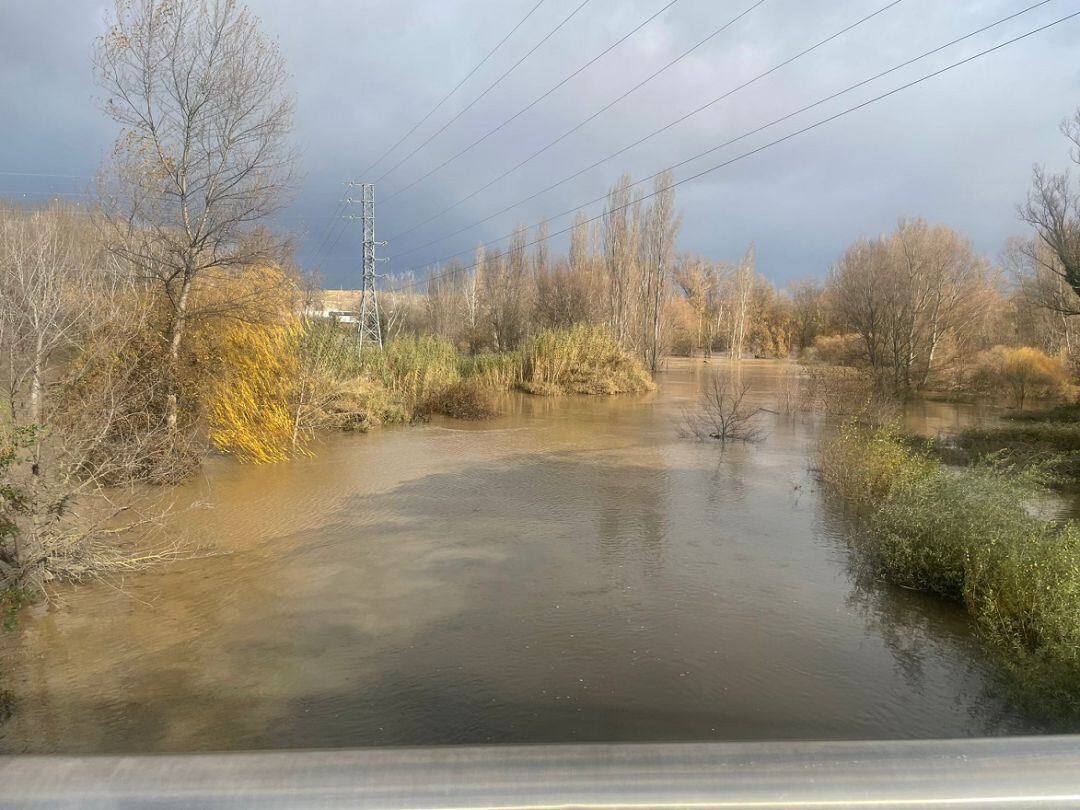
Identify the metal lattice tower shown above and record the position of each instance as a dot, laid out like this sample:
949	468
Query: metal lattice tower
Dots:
368	327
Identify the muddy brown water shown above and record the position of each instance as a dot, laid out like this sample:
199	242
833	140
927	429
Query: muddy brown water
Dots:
571	571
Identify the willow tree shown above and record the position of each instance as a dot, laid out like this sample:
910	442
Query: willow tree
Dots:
203	155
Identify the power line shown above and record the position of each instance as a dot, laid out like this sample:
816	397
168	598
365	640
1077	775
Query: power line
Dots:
536	101
751	152
341	207
734	140
44	174
487	90
636	143
456	87
46	193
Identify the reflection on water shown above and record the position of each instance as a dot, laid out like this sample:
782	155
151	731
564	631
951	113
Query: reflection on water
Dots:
569	571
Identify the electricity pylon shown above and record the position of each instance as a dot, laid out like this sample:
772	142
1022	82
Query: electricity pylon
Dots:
368	328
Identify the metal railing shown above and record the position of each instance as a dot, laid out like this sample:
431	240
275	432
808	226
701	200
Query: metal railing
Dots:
1009	772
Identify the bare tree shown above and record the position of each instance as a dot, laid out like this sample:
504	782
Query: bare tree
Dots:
909	294
721	415
741	285
541	259
699	282
203	154
45	298
808	311
506	292
620	237
445	301
658	247
565	297
79	389
582	244
1052	209
1046	307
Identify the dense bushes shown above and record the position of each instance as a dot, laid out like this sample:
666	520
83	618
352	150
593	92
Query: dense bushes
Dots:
969	535
838	350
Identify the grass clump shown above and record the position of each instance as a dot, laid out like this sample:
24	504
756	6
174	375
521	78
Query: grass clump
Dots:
580	360
359	404
493	372
415	376
413	368
930	529
1025	597
969	536
465	399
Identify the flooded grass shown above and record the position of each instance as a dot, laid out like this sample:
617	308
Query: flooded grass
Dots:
1050	440
969	535
580	360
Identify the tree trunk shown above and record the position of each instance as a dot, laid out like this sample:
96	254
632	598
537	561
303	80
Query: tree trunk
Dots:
173	360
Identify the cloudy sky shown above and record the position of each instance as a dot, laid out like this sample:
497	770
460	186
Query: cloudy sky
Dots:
957	149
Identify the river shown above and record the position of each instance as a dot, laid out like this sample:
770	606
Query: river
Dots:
570	571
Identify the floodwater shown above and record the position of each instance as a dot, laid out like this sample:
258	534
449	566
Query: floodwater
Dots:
571	571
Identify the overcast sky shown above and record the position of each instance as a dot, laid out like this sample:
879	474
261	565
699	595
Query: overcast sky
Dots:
957	149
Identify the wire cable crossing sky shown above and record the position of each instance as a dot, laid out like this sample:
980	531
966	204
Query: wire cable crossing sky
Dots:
512	110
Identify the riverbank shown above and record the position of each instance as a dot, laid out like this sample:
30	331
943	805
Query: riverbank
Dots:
971	536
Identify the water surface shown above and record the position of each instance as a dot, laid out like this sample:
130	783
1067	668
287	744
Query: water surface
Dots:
570	571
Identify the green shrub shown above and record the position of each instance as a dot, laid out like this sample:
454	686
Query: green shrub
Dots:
930	527
1025	597
864	463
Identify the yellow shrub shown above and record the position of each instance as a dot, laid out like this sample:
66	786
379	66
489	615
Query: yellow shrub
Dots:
251	349
250	408
1024	373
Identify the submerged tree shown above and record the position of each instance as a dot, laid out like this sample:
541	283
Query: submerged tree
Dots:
721	415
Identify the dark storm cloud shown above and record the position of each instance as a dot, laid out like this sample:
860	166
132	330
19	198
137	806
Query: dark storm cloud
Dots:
957	149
